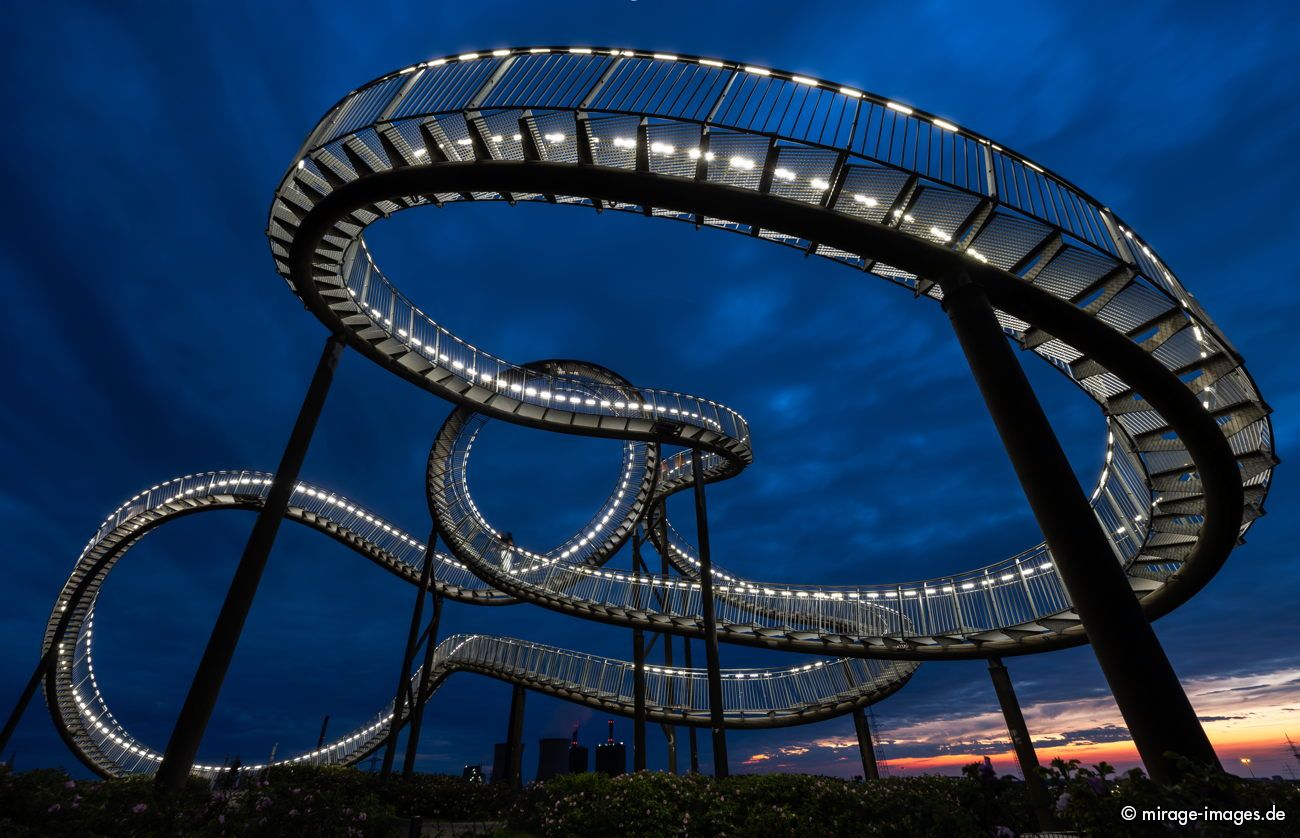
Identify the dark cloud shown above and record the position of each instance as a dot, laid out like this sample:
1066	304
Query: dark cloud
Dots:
149	336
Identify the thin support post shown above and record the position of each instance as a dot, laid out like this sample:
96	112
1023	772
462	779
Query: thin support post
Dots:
638	669
866	748
1146	688
324	726
183	746
693	739
515	738
670	732
426	677
638	700
403	690
720	768
1021	741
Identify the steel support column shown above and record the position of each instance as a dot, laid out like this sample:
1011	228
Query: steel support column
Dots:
1144	684
515	738
720	768
638	701
403	690
1036	791
866	748
30	690
692	736
638	664
670	732
426	674
183	746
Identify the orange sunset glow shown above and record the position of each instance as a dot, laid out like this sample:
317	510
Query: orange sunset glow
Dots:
1246	716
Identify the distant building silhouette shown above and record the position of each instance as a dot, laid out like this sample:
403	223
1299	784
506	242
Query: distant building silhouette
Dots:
552	758
579	762
611	757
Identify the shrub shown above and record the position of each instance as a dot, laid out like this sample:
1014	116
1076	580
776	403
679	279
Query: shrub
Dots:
345	802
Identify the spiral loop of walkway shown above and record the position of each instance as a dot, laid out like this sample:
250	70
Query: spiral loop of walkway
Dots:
872	184
771	697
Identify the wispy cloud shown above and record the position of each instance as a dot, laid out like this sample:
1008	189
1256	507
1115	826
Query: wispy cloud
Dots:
1244	715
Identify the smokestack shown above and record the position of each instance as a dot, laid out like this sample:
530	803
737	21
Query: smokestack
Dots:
574	741
611	731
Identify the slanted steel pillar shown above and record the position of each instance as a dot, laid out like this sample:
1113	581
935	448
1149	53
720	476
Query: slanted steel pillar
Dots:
1036	791
720	768
426	671
515	738
693	739
183	746
403	690
1146	688
16	715
866	748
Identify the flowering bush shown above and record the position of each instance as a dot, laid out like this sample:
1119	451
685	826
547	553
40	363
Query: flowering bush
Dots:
1088	800
763	805
345	802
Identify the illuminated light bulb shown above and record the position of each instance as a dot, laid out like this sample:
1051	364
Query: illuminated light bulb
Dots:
742	163
662	148
940	234
894	106
867	200
545	394
758	71
908	218
437	62
496	138
947	126
515	388
1035	167
538	50
518	137
554	138
580	50
663	56
783	174
469	56
709	62
624	142
302	163
421	152
819	184
804	80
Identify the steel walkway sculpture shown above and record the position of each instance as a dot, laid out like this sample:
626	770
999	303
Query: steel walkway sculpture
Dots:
831	171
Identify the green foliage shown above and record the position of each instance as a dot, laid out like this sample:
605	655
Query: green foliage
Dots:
764	805
1087	801
345	802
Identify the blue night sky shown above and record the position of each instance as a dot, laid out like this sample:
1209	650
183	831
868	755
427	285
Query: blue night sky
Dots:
149	336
